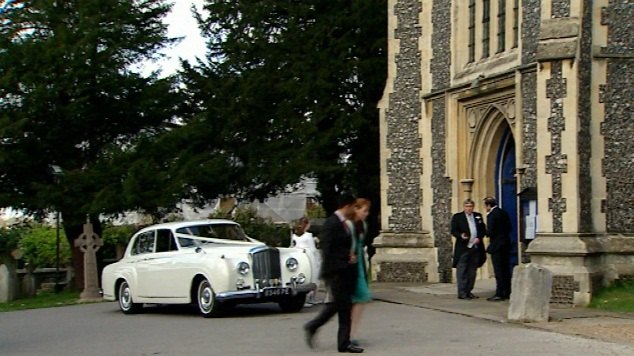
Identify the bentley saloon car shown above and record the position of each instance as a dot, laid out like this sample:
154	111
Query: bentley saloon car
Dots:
212	264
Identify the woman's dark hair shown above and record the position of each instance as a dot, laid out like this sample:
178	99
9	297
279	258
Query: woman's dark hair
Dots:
300	227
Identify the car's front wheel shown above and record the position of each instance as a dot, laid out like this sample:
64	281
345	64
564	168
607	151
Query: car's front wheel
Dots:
293	304
206	301
126	303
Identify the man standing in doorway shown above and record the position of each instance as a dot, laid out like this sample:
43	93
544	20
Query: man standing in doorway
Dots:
468	229
499	230
339	271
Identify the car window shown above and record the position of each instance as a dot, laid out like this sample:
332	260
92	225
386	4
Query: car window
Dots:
144	243
185	242
165	241
216	231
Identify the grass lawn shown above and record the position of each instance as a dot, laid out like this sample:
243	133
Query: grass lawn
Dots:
618	297
44	300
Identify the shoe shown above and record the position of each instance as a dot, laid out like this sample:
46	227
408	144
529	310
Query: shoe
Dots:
352	349
495	298
473	296
309	336
308	305
466	297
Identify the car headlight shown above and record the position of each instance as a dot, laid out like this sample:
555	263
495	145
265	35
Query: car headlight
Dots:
243	268
292	264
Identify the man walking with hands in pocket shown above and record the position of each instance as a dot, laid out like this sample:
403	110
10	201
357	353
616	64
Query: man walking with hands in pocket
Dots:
339	271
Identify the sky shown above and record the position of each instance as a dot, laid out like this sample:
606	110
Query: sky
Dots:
181	24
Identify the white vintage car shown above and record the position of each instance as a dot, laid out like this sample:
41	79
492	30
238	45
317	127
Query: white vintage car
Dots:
210	263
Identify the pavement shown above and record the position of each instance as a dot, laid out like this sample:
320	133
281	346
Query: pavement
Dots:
579	321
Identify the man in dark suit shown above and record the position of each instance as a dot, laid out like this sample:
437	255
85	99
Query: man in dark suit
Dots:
468	229
339	271
499	231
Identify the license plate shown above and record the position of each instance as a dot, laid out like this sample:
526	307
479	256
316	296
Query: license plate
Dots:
272	292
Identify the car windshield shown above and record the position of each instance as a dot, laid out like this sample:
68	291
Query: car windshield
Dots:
217	231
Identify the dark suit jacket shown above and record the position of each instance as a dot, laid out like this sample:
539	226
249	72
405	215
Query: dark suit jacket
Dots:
498	230
335	243
459	225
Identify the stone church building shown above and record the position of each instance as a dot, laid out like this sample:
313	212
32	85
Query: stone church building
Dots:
528	101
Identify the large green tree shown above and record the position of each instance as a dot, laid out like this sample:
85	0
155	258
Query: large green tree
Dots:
289	89
72	95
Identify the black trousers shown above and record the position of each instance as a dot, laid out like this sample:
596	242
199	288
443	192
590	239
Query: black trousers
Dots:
466	271
500	261
341	288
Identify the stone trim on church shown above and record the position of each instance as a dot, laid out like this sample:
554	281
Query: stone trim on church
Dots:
528	101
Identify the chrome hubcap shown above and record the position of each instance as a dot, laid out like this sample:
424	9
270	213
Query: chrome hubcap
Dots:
125	297
205	297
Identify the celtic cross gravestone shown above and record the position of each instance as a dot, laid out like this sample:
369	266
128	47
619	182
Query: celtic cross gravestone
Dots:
89	242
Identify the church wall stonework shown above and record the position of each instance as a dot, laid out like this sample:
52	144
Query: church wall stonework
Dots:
441	208
584	148
529	38
529	129
440	71
619	153
617	128
573	73
560	8
403	138
582	256
404	251
530	29
402	272
441	44
556	162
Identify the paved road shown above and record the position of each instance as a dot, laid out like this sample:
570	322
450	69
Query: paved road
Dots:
389	329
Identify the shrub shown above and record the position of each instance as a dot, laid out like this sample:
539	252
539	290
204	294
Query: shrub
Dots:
315	211
38	244
114	236
10	237
117	235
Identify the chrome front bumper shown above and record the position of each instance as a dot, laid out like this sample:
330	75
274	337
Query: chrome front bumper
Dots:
254	294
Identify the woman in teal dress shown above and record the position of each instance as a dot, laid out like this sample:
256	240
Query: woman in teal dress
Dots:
362	294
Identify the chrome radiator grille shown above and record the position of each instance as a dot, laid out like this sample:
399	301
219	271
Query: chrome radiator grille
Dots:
266	266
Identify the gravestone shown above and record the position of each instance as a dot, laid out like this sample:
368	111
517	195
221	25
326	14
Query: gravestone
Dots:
29	282
89	242
530	299
7	284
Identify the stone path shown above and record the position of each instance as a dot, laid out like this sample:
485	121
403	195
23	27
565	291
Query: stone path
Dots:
586	322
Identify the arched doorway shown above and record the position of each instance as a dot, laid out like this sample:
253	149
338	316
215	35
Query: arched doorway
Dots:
506	186
492	165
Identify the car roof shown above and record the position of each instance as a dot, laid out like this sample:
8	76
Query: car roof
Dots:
178	224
